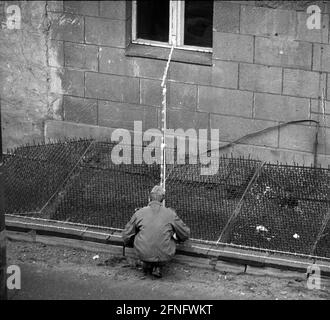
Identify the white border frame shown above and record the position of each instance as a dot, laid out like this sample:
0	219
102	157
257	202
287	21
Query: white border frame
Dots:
176	30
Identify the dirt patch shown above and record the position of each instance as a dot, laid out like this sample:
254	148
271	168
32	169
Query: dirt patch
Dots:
103	276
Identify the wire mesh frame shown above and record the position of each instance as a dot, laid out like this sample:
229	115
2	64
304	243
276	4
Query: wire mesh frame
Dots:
282	188
282	217
35	173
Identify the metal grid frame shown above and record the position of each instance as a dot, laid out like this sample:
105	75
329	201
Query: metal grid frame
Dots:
248	204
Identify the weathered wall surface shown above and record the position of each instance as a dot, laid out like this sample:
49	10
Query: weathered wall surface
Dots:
25	78
267	68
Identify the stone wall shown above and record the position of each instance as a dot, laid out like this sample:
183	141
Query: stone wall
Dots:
266	68
26	81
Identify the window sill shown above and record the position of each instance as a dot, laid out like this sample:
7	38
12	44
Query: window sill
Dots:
160	53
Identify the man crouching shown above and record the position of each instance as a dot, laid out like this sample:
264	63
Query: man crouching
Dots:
154	231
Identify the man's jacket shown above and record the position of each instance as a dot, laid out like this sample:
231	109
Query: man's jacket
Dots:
152	228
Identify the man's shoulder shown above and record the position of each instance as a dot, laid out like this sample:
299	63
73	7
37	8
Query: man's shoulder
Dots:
141	210
170	211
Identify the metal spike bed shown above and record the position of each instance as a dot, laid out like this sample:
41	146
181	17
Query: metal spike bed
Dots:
271	207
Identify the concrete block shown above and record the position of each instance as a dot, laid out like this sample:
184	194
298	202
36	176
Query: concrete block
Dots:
112	87
324	119
86	8
297	137
268	22
105	32
55	81
270	154
184	119
226	17
190	73
225	101
73	82
314	35
232	128
324	141
285	53
119	10
316	107
63	129
114	61
280	108
80	110
182	95
55	6
246	3
234	47
323	161
81	56
292	5
151	92
123	115
147	68
321	57
301	83
225	74
260	78
56	54
294	157
128	32
68	27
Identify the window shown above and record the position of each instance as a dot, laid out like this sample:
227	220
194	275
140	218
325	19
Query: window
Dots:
184	24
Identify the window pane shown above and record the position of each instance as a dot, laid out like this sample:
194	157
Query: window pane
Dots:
152	21
198	23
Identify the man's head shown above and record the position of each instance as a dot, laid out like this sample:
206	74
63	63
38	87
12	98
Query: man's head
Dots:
157	194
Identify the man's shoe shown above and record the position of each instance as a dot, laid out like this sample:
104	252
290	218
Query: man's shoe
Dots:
147	268
157	272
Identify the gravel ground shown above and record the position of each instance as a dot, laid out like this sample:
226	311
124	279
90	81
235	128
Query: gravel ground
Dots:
54	272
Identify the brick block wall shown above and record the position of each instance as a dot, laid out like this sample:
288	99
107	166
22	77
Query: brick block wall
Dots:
100	85
266	68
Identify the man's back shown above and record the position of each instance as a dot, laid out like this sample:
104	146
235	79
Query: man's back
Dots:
153	227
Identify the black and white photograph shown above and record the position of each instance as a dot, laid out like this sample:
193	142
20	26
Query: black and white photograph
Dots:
164	155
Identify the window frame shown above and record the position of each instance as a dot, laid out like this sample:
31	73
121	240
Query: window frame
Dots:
176	29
